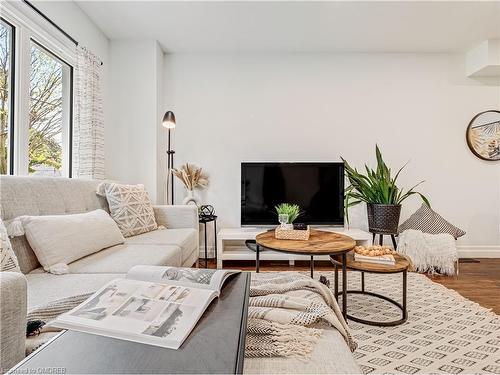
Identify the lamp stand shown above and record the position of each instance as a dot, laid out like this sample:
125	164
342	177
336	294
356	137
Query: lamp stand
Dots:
170	166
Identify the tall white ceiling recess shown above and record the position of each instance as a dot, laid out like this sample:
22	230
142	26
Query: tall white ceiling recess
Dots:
484	59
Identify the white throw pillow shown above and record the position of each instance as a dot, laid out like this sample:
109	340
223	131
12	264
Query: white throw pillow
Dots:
63	239
131	208
8	259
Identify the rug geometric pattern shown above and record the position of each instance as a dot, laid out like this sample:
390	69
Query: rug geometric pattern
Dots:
445	333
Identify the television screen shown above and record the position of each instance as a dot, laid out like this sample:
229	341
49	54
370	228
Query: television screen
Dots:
318	188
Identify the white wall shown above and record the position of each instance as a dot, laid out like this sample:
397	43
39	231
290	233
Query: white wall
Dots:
131	133
315	107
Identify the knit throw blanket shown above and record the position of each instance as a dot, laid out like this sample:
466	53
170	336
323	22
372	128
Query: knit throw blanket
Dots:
282	307
429	252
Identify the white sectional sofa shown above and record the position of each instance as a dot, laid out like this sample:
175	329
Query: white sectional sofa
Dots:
175	246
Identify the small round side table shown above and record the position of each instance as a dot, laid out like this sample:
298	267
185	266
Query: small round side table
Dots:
204	219
401	266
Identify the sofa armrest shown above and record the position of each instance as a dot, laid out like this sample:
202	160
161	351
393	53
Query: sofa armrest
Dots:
13	310
177	216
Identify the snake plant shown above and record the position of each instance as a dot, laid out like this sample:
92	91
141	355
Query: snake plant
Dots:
376	186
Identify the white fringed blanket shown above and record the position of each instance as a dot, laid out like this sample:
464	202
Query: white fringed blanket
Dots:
282	307
429	252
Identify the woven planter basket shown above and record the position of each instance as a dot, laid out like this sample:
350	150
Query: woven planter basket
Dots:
383	218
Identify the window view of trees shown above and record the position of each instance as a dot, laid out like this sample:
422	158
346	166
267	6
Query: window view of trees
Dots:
44	144
5	87
46	109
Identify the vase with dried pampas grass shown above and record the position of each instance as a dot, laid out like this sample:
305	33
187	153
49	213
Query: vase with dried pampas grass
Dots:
192	177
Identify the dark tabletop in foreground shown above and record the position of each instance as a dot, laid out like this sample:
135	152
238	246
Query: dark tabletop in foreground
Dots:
216	345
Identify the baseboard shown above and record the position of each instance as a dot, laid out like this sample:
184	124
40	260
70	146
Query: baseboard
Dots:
466	251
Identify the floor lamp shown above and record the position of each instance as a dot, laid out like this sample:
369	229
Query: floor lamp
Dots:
169	123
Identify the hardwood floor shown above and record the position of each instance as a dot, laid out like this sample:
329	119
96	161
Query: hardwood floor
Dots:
478	281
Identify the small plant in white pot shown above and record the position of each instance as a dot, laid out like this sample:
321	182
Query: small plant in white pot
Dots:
192	177
287	214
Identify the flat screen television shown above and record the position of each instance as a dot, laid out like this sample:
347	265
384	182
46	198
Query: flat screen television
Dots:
318	188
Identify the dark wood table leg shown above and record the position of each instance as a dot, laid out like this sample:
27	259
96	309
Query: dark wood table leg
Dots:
362	281
344	286
257	248
311	264
381	239
215	241
206	246
373	239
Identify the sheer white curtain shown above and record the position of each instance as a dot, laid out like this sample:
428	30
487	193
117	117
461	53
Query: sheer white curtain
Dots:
88	125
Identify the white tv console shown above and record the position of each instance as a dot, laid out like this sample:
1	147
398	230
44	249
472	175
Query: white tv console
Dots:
231	244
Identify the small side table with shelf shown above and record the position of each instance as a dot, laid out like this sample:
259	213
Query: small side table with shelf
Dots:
204	219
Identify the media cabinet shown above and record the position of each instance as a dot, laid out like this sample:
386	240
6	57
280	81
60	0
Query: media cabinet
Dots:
231	244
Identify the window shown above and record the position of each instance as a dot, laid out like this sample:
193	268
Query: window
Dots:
6	97
36	85
49	117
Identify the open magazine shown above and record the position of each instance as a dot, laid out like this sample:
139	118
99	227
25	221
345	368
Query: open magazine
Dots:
152	305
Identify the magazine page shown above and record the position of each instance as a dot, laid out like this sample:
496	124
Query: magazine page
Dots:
146	312
194	277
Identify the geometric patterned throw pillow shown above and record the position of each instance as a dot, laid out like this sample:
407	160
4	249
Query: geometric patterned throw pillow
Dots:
131	208
429	221
8	260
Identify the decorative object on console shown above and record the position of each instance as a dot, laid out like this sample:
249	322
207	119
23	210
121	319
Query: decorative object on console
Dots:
287	214
429	221
169	123
206	210
378	189
483	135
131	208
192	177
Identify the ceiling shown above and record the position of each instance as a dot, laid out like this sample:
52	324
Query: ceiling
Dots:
405	26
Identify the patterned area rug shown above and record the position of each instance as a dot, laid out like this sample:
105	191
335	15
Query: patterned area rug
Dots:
444	333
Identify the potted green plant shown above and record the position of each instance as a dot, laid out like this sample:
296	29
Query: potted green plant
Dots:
378	189
287	214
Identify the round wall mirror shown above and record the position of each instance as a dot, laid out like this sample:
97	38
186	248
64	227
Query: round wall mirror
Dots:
483	135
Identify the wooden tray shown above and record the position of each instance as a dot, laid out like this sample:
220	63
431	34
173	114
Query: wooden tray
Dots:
292	234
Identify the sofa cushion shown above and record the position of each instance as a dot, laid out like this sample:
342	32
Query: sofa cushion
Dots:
66	238
8	260
120	258
330	356
28	195
131	208
44	287
427	220
185	238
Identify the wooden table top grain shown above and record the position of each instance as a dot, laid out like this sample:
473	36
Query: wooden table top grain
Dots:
319	243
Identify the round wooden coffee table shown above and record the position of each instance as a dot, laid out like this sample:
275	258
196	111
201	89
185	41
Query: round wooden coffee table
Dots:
401	266
319	243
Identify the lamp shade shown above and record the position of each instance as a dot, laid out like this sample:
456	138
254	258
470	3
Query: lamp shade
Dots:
168	120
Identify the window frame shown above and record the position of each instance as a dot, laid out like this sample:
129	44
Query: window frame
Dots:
67	134
30	27
12	95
